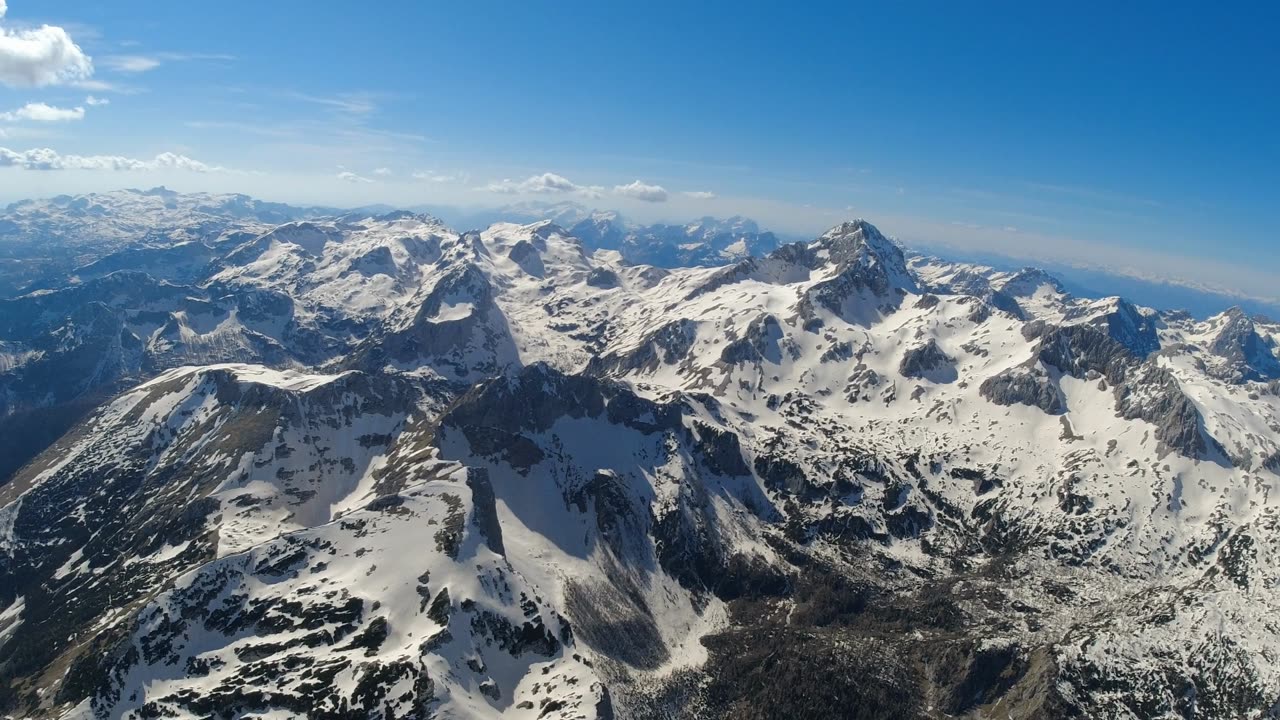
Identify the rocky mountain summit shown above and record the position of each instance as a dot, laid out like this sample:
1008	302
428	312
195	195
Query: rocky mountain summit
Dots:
266	462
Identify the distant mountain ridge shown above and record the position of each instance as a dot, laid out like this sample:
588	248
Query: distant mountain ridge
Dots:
705	241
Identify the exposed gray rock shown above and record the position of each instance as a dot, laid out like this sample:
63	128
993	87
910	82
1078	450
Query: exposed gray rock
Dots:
928	361
378	261
1153	394
458	328
669	344
1028	281
1127	325
871	274
735	273
616	518
781	475
1246	354
1142	389
1004	302
860	245
602	278
1079	349
838	352
1024	386
485	511
531	400
763	341
528	258
721	450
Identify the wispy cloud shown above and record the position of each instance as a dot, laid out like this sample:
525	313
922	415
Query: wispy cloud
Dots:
699	194
149	62
1086	193
363	133
436	177
99	86
49	159
40	56
130	63
42	133
351	177
245	128
96	101
668	163
40	112
338	133
350	103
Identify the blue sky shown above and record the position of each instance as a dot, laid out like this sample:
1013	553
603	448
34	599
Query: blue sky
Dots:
1133	136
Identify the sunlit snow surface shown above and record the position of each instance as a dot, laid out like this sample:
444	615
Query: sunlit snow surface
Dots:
336	493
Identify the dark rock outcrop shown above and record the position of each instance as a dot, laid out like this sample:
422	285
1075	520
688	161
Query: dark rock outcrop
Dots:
928	361
603	278
458	329
1024	386
1246	355
1127	325
1143	390
669	344
763	341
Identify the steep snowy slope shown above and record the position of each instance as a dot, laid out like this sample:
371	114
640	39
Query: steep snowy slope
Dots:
500	474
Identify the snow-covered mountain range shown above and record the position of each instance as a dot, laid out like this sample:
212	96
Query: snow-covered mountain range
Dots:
706	241
268	462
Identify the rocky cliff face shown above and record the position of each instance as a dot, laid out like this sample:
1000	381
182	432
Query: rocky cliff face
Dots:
1244	354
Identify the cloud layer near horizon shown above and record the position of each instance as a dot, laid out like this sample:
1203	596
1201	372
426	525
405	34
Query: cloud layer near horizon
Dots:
548	183
49	159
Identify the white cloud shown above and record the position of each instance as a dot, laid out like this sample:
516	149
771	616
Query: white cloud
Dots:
549	182
92	101
700	194
48	159
640	191
546	183
40	56
352	177
382	171
40	112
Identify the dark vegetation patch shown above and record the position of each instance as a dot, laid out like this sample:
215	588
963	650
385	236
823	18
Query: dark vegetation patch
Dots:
761	674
